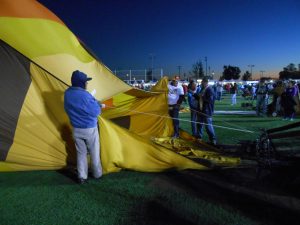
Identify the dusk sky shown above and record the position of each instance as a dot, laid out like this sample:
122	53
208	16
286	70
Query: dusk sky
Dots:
264	33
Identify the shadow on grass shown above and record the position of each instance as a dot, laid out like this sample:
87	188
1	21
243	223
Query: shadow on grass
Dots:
153	212
253	208
36	178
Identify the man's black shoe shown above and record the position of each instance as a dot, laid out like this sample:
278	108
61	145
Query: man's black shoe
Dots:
213	142
82	181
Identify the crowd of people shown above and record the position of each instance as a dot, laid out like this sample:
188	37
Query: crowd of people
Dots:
285	99
285	96
201	100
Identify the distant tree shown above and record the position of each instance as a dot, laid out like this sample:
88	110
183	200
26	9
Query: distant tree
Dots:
197	70
289	72
291	67
231	72
284	75
247	76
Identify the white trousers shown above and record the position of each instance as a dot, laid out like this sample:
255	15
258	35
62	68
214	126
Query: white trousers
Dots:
87	140
233	99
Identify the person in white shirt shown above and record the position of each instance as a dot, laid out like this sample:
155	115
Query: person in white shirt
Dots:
175	98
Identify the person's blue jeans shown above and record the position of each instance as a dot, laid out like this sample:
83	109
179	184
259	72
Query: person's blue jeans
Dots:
174	113
194	121
207	122
233	99
219	95
261	105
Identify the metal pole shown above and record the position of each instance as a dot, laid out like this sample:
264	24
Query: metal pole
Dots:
145	75
179	70
262	73
161	73
130	76
251	66
206	66
152	64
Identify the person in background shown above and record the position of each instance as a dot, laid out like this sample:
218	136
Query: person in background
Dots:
193	91
233	92
83	111
185	88
219	91
270	88
175	98
214	87
261	98
206	110
253	91
277	92
288	101
227	87
182	86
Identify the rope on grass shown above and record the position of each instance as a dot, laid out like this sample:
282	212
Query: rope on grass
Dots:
184	120
231	124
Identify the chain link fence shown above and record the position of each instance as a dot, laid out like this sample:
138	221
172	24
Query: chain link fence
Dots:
139	76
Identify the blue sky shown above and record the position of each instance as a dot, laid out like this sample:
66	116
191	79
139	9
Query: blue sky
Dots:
123	33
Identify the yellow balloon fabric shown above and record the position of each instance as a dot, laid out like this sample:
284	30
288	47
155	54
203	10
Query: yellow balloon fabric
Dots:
35	133
121	148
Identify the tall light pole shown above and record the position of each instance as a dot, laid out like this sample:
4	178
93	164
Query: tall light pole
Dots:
251	66
205	65
179	70
152	56
262	73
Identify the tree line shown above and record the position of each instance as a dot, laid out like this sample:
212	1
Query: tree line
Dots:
234	72
290	72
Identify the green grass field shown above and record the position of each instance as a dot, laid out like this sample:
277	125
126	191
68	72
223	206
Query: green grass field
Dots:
128	197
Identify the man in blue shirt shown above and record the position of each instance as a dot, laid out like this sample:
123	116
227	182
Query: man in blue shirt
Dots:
83	111
193	101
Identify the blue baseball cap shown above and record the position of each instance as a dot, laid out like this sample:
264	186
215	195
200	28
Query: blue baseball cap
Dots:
79	79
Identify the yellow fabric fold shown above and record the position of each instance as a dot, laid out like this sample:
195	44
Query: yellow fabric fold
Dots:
43	137
191	148
121	148
40	37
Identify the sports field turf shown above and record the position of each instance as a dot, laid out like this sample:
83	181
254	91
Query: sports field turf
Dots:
128	197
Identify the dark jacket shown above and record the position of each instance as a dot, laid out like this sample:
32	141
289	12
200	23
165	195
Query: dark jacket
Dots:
208	98
193	99
208	101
